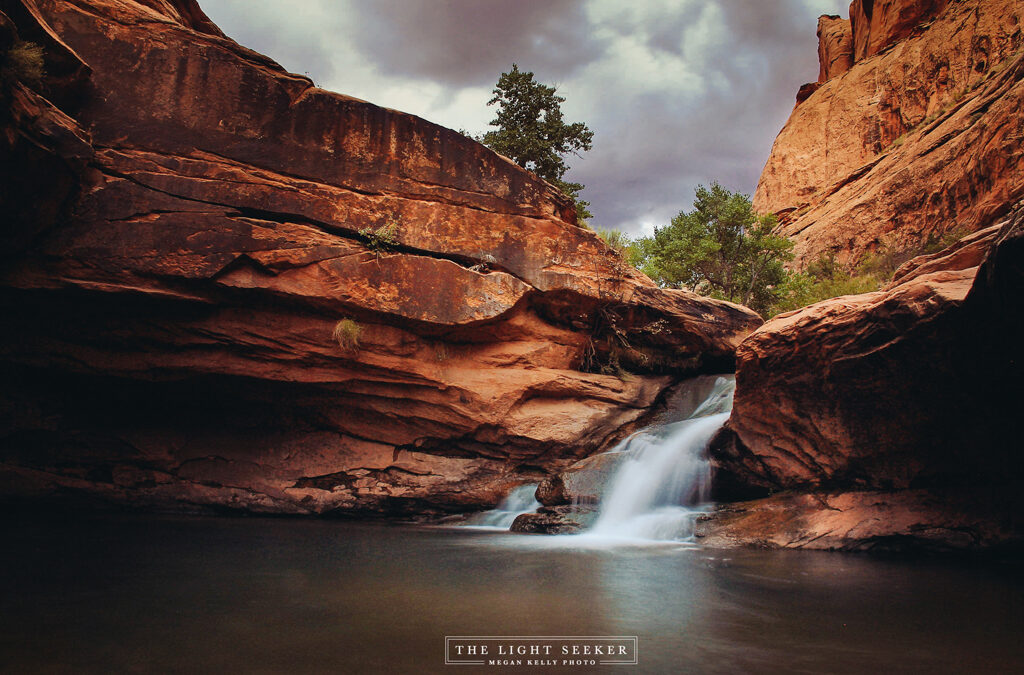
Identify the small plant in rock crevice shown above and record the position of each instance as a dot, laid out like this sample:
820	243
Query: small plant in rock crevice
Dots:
346	334
381	239
23	62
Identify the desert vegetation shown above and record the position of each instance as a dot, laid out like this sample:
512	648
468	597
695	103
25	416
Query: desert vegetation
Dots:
723	249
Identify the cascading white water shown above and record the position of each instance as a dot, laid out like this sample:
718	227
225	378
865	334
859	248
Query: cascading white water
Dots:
520	500
660	485
657	491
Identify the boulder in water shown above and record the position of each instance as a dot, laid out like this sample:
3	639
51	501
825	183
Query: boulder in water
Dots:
582	483
556	520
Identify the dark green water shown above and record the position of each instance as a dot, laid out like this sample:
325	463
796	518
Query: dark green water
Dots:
134	594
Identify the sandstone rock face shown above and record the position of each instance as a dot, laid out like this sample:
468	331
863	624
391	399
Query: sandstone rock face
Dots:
879	24
835	47
921	135
915	387
858	521
170	297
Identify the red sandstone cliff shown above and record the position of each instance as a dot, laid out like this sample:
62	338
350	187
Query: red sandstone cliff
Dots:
914	128
891	419
887	419
189	224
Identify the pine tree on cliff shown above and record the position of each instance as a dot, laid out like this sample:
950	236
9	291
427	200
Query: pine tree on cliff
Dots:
532	132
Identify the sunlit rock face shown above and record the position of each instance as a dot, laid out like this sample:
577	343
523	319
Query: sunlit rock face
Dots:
888	418
914	128
835	47
190	225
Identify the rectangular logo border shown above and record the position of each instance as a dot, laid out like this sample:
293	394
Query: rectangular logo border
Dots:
634	638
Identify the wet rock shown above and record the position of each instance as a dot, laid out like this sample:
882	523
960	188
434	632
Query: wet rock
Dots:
583	482
555	520
906	521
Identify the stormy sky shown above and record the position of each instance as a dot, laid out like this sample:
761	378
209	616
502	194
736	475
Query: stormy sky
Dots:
677	92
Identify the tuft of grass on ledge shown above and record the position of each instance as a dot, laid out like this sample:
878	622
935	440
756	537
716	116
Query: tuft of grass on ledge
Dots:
346	334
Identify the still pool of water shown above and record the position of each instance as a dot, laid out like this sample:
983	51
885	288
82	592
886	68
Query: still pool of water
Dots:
252	595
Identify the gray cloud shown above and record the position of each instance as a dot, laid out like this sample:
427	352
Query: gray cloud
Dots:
723	131
294	34
469	42
677	92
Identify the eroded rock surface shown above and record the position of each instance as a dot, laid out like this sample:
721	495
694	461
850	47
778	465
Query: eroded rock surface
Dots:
920	135
566	519
170	296
835	47
911	520
912	388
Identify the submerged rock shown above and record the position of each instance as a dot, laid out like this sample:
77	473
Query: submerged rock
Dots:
241	291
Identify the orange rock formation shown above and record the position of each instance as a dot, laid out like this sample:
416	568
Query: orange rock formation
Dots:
190	223
920	134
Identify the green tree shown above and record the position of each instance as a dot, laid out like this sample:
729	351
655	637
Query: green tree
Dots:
532	132
620	241
722	249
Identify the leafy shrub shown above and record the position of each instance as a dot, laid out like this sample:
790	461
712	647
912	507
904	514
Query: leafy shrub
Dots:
346	333
615	239
721	249
825	278
802	288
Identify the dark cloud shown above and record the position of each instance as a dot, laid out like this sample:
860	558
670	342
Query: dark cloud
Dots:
468	42
723	132
677	92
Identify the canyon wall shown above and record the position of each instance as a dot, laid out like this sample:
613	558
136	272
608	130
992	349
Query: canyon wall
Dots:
914	128
888	419
226	288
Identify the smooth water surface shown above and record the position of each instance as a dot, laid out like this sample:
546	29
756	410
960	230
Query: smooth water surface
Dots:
136	594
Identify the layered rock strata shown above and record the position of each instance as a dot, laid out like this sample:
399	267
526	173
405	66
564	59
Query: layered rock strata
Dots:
919	132
226	288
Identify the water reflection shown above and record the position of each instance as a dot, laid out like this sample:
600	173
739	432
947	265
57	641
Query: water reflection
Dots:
256	595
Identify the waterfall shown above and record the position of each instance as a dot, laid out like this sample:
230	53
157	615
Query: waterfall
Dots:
657	491
654	484
520	500
664	480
